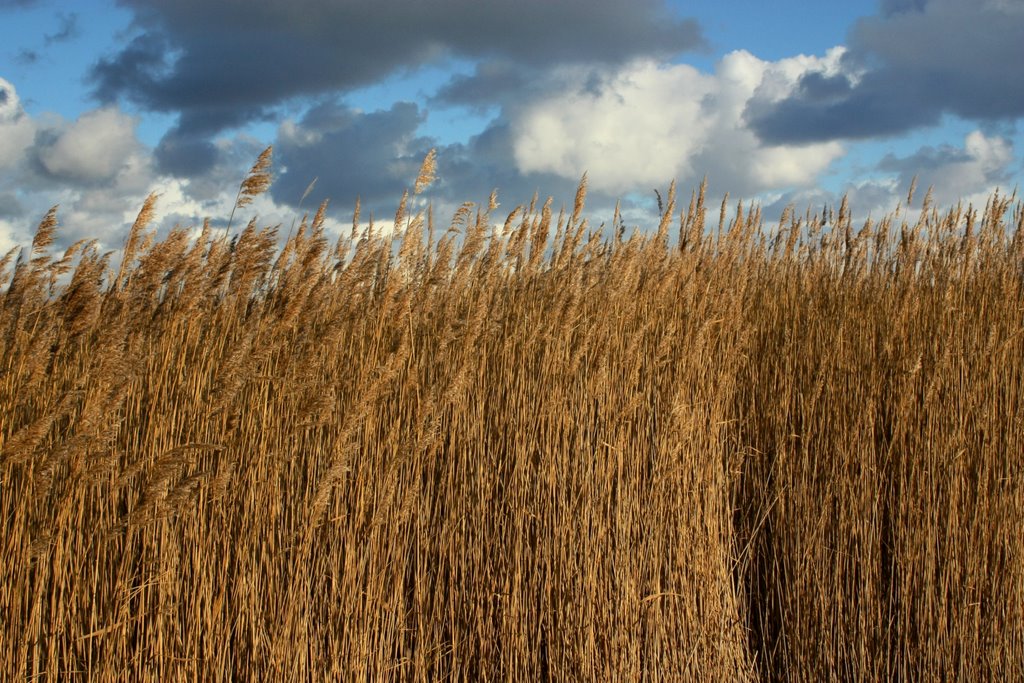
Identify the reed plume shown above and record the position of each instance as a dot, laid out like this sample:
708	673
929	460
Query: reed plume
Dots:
770	452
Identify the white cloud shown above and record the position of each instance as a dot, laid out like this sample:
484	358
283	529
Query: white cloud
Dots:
93	148
99	173
647	123
16	129
10	104
642	127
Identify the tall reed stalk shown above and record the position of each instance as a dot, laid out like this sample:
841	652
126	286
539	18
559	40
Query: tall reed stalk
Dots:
739	455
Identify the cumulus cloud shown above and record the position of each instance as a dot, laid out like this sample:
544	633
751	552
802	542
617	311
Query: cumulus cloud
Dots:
50	152
642	125
93	149
94	167
905	68
99	172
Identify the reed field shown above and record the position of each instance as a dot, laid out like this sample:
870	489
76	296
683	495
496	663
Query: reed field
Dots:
705	451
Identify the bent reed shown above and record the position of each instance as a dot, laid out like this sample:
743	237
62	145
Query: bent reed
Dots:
737	454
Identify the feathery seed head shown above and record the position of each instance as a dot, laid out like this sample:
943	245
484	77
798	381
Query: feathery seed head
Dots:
427	172
258	180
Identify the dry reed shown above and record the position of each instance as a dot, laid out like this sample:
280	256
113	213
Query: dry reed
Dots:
744	456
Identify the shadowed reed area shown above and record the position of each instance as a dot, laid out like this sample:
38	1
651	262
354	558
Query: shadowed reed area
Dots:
722	453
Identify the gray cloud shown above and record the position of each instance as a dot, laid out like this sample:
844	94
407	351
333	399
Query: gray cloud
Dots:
872	198
186	149
185	155
818	87
27	56
925	159
133	70
10	207
904	69
878	105
67	29
491	83
982	163
276	50
892	7
373	155
953	173
470	171
377	155
94	167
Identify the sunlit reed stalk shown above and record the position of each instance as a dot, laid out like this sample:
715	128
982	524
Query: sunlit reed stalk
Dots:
771	452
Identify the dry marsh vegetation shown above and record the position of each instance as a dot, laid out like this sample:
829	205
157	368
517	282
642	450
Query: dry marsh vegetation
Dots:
707	453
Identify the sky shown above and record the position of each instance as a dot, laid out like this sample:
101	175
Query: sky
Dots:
784	102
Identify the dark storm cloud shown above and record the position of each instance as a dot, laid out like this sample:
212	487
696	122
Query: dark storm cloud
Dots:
489	84
372	155
186	149
878	105
182	154
818	87
509	84
303	46
138	65
254	55
917	62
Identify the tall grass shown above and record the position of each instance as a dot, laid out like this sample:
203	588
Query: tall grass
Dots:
705	453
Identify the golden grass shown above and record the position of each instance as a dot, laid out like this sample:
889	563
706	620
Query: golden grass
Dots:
731	456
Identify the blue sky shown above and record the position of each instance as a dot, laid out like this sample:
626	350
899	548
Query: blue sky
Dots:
102	102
